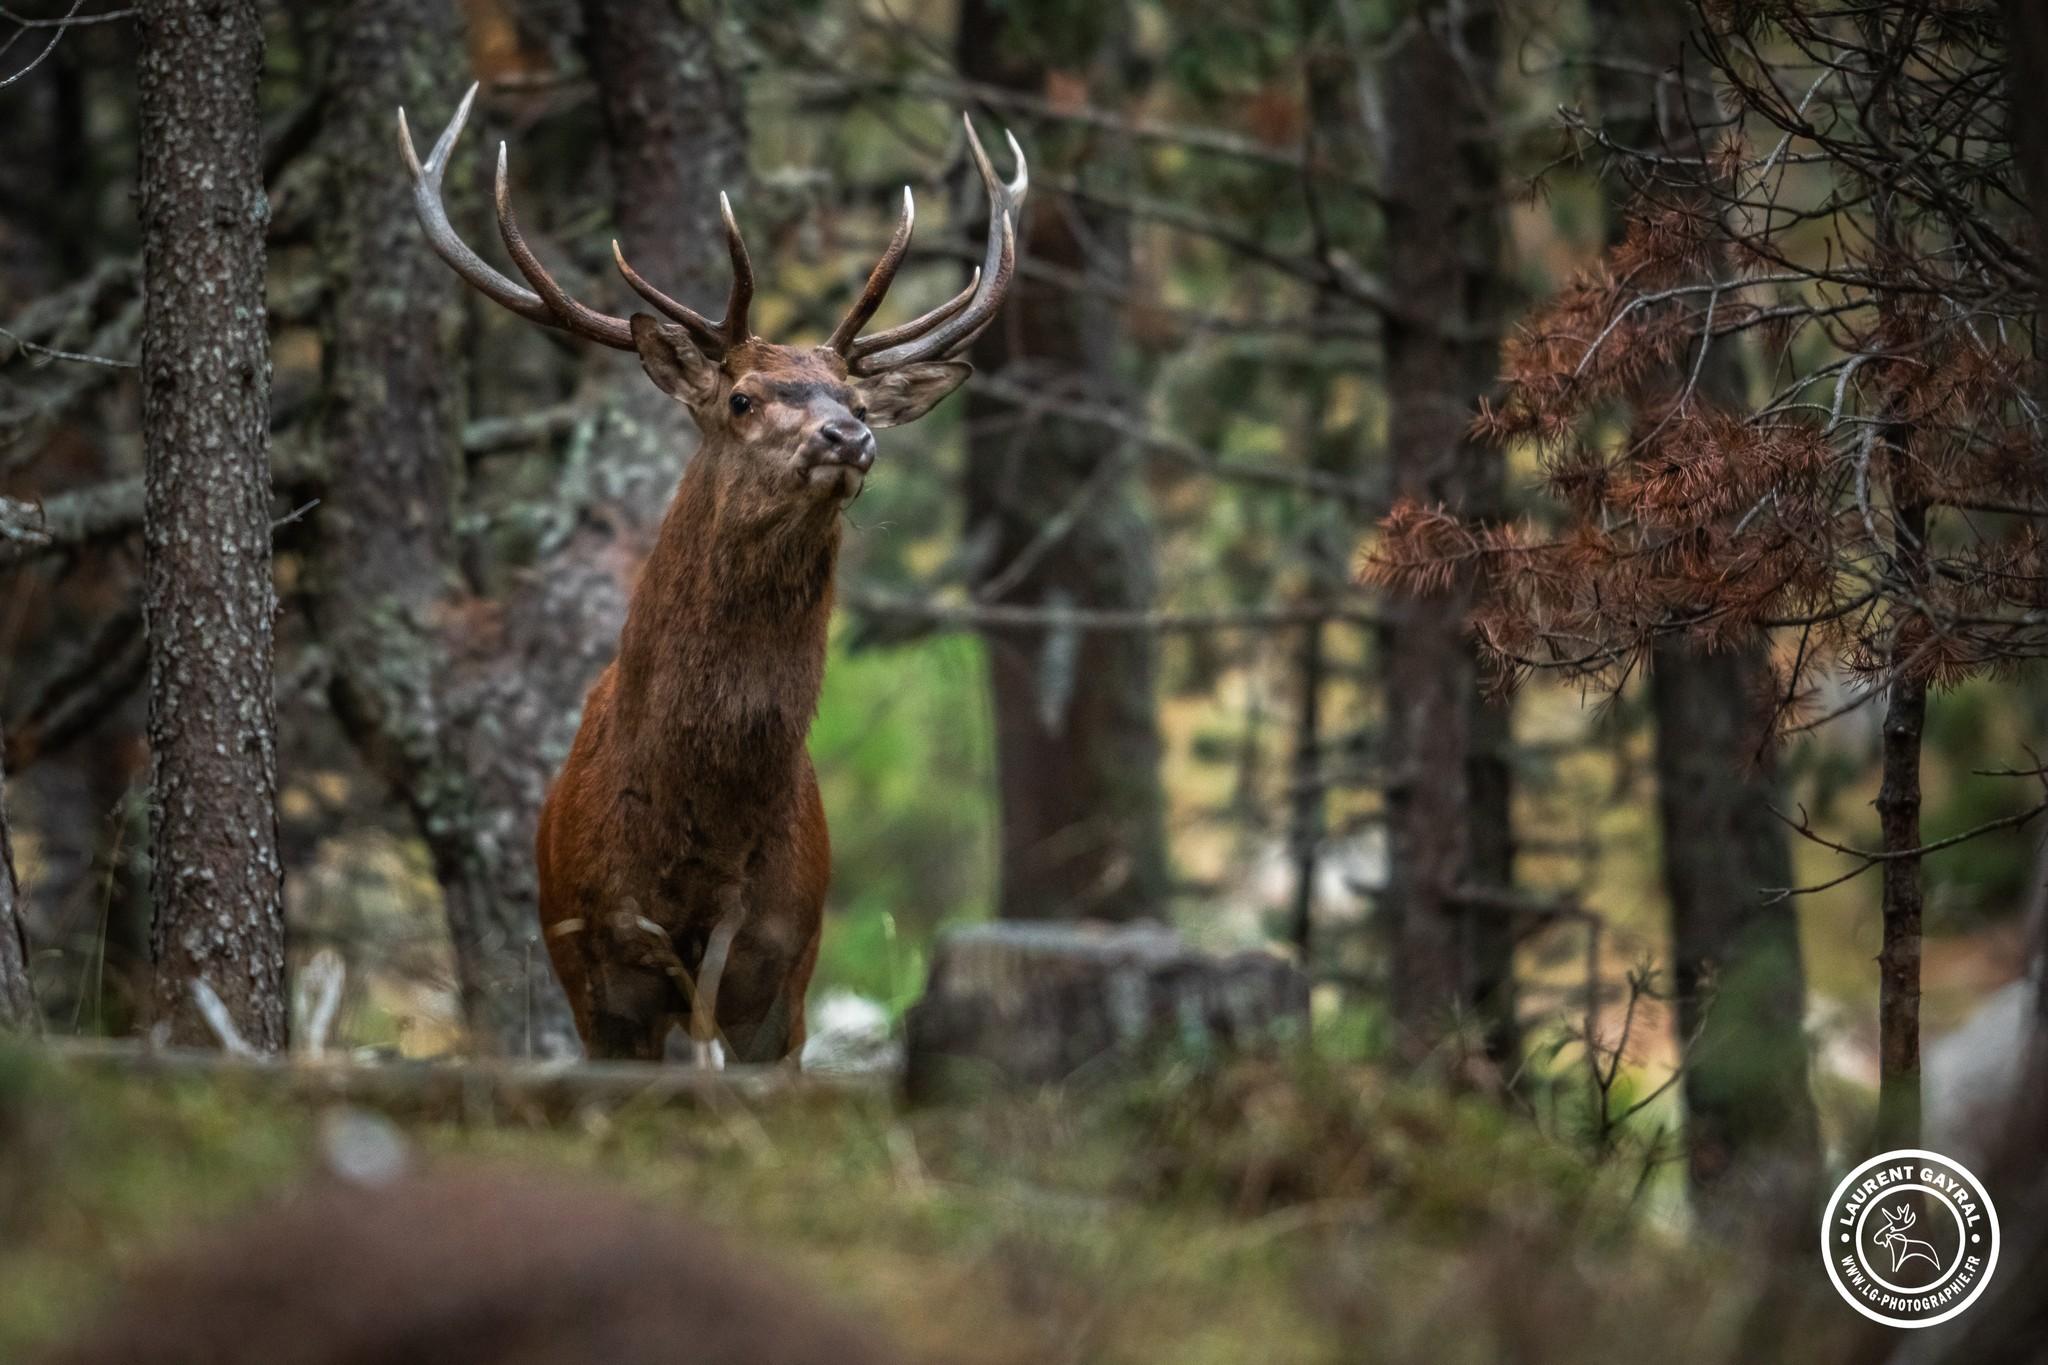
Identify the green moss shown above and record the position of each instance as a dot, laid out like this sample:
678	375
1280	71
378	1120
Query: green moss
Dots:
96	1171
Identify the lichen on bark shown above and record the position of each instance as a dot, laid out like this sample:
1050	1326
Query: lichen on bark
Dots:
217	885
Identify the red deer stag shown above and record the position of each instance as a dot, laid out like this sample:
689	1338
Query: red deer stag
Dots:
682	851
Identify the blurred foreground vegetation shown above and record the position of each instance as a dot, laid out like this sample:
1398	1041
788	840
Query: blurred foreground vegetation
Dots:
1273	1211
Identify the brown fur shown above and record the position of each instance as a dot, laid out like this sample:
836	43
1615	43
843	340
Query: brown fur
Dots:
688	798
463	1270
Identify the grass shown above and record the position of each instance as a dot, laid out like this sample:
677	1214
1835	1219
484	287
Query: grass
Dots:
1273	1211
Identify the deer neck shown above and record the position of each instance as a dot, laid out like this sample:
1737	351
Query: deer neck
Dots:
723	651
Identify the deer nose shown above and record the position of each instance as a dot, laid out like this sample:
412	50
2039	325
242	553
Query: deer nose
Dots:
846	441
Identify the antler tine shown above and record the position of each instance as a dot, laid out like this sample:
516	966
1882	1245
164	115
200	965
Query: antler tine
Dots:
933	335
1014	191
441	234
713	338
1018	185
876	341
1013	195
574	316
879	280
709	336
741	297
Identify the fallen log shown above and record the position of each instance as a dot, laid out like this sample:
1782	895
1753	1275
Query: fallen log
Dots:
468	1090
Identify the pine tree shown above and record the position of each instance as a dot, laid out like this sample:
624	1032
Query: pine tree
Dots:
1879	513
217	882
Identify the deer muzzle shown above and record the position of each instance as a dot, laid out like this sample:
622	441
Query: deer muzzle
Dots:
837	455
841	441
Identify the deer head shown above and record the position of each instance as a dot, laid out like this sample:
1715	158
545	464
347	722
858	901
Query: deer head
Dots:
787	430
1896	1221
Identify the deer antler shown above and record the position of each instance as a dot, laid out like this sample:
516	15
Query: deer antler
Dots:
943	331
713	338
879	280
956	322
551	305
1904	1218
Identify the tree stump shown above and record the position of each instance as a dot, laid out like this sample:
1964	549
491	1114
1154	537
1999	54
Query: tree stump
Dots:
1032	1003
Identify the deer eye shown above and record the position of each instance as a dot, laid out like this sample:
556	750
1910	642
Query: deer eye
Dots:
740	404
860	412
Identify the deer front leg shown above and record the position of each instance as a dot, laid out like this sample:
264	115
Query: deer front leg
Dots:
629	1014
704	1041
632	973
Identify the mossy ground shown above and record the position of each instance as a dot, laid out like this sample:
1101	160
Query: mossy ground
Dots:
1268	1212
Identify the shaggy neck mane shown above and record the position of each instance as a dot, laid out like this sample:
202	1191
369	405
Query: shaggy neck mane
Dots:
723	651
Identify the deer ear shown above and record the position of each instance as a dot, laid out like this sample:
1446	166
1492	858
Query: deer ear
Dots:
900	396
673	361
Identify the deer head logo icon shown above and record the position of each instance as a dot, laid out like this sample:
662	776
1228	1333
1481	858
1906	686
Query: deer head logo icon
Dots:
1892	1236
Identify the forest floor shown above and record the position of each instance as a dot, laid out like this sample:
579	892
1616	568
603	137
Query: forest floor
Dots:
1262	1211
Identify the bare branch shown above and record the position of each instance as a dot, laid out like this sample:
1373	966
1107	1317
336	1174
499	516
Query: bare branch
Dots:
976	615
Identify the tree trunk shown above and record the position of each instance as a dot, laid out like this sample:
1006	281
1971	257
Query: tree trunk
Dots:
1307	819
217	886
1750	1125
1905	717
674	120
1898	813
674	117
2026	23
17	996
1751	1131
1076	714
1045	1004
386	576
1448	793
1327	535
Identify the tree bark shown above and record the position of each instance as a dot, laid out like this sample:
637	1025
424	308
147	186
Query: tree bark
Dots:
1327	533
17	995
1307	820
1076	714
674	114
1751	1131
2026	24
674	117
1905	718
217	885
1448	795
1750	1126
1898	813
